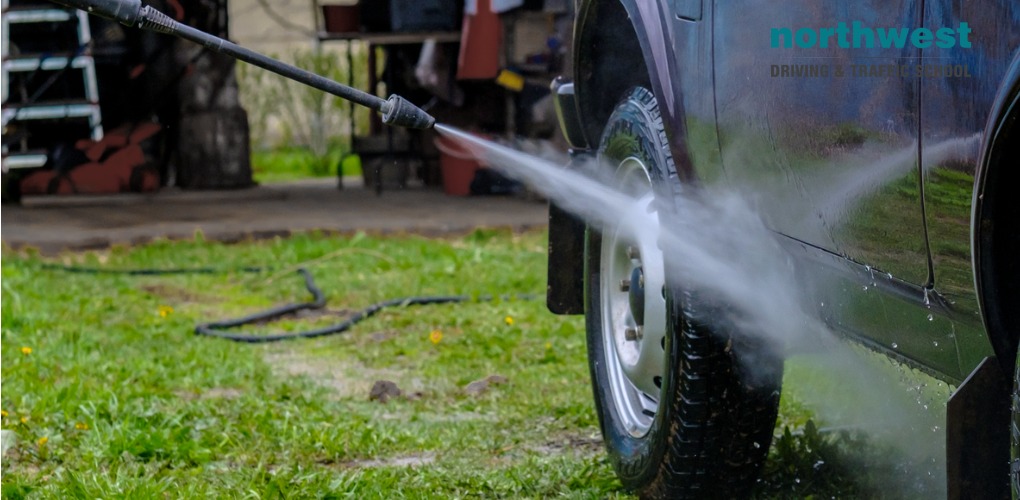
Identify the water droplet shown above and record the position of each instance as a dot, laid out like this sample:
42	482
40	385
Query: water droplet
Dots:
865	288
895	345
931	317
819	464
756	445
935	343
796	480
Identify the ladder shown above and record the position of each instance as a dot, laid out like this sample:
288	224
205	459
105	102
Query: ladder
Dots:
35	61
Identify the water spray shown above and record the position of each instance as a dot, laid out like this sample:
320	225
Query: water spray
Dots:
395	110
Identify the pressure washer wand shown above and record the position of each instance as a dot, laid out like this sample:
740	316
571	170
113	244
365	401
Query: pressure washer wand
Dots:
395	111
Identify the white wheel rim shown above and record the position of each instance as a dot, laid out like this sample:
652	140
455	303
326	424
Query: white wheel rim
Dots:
635	363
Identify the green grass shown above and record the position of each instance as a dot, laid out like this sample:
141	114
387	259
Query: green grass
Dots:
118	398
288	164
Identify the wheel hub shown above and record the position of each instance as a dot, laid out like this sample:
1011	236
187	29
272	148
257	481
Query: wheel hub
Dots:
637	295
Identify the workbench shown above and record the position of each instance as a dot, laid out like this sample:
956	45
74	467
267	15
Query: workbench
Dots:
376	41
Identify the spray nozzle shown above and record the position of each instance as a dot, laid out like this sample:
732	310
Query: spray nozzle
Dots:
396	110
400	112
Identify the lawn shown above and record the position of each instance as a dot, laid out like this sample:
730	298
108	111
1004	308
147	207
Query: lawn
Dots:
293	163
109	393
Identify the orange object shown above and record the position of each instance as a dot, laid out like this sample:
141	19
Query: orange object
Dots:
457	165
117	163
481	40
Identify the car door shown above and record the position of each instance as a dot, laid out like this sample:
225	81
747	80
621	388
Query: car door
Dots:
823	138
958	88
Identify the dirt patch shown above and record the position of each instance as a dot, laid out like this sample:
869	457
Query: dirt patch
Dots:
176	295
211	393
579	445
416	460
383	335
333	373
479	387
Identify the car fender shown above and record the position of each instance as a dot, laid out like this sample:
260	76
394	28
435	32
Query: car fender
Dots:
651	25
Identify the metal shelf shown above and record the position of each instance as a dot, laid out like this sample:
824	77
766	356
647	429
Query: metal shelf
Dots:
38	16
52	63
31	159
79	60
393	38
53	111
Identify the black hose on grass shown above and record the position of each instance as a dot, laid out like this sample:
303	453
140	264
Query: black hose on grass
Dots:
216	328
151	272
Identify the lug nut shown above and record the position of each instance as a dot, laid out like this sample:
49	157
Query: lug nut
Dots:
632	253
624	285
632	333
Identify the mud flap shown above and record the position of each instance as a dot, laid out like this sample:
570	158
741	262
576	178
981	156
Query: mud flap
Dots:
564	292
977	435
565	288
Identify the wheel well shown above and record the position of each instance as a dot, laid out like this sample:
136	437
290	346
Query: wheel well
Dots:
997	237
609	63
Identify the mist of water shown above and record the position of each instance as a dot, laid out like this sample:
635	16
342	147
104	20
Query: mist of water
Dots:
713	242
716	243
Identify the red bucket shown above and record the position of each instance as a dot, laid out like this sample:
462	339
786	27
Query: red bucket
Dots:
458	166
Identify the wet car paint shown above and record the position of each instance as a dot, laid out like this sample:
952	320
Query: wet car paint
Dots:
846	168
959	107
831	161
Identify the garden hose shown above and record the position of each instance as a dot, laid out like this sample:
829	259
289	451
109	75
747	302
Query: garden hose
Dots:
151	272
216	328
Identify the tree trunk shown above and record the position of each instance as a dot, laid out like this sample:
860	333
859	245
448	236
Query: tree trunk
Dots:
212	132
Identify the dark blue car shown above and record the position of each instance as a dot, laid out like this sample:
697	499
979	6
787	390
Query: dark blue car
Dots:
880	142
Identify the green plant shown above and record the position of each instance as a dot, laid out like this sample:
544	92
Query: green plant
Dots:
133	405
287	114
289	163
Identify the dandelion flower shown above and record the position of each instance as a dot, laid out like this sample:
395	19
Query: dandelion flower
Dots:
548	346
43	440
435	336
165	311
26	350
24	420
3	413
81	426
509	320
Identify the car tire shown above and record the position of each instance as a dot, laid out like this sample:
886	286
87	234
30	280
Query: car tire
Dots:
700	428
1014	432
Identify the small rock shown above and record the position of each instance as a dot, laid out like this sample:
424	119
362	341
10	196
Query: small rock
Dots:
7	440
383	390
479	386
